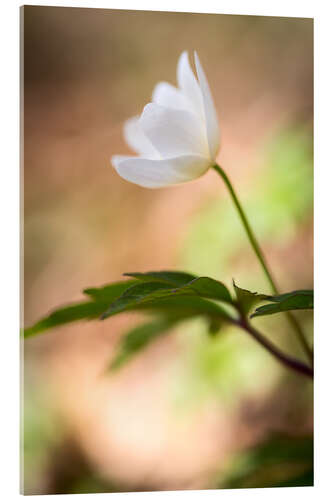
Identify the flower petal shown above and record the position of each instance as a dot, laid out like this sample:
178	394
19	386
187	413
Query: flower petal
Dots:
188	83
137	140
213	130
159	173
117	159
169	96
173	132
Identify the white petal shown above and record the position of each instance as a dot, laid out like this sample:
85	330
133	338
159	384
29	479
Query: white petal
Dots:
137	140
159	173
117	159
169	96
188	83
213	130
174	132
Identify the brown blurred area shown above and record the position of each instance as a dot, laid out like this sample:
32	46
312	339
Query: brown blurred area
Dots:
85	72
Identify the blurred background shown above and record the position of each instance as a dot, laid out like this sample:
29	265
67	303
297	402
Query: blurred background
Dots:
190	411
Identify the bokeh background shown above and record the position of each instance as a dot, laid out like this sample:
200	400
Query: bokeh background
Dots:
191	411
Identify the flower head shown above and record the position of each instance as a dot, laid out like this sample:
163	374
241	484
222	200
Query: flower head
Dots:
177	136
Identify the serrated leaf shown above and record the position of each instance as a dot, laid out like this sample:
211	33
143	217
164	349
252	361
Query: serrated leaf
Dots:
174	303
137	293
172	307
184	306
137	339
81	310
173	278
155	296
152	292
246	299
299	299
107	293
305	296
205	287
66	314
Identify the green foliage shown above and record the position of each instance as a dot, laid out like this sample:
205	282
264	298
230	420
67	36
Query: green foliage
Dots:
155	295
174	278
168	294
147	292
214	326
82	310
171	297
67	314
183	306
138	338
208	288
108	293
279	461
135	294
188	284
246	299
299	299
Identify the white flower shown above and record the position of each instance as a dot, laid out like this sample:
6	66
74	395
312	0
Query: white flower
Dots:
177	135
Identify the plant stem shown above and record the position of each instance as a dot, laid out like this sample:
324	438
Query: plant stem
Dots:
261	258
285	359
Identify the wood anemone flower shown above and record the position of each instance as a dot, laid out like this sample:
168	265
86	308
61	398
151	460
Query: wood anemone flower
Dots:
177	136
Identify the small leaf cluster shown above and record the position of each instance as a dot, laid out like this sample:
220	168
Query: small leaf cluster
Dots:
278	461
168	297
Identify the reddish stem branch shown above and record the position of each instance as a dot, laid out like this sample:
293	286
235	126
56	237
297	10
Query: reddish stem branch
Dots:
289	361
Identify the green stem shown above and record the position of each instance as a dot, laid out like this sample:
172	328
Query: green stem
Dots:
261	258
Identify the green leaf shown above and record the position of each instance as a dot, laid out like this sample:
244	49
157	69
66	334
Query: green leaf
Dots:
172	304
131	293
137	339
184	307
279	461
137	293
141	290
207	288
304	296
66	314
177	303
214	326
81	310
173	278
108	293
187	284
304	479
162	295
153	292
299	299
246	299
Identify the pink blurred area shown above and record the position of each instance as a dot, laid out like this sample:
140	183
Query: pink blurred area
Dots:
85	72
